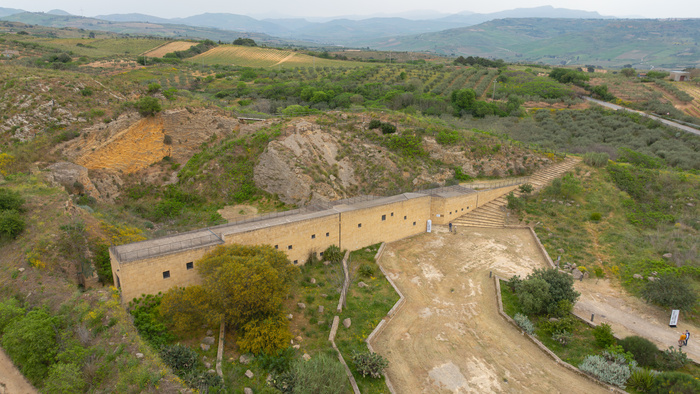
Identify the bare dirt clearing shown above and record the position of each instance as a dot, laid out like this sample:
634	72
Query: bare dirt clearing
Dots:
233	213
448	336
11	380
628	315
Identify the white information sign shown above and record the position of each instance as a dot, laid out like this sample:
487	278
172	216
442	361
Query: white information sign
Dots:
430	225
674	318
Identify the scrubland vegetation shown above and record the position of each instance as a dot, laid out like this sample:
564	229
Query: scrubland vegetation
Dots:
635	215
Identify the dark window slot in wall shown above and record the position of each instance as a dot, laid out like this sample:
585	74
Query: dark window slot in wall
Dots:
166	274
190	265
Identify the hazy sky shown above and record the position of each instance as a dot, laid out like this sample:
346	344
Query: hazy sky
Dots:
316	8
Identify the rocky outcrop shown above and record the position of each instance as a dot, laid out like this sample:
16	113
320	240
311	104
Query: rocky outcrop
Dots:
312	162
74	178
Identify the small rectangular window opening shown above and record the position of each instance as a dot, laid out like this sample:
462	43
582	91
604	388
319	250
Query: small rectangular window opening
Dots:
313	236
296	261
359	225
414	223
328	234
166	274
383	217
277	246
289	247
392	214
190	265
404	218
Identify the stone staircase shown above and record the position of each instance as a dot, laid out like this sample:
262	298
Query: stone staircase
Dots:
493	213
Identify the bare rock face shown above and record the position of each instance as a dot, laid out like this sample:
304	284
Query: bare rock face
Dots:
72	177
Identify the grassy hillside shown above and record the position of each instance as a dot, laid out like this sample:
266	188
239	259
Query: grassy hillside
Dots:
608	43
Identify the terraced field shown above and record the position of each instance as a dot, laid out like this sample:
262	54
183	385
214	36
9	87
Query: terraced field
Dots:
693	108
263	57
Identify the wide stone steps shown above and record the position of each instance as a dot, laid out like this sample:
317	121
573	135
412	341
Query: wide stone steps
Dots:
493	213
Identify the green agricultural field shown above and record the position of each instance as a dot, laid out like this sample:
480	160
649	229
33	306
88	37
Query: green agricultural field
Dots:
263	57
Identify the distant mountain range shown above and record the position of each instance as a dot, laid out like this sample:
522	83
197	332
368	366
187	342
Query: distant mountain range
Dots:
543	34
337	31
670	43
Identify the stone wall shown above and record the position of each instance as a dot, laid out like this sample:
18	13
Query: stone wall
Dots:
297	239
350	227
148	276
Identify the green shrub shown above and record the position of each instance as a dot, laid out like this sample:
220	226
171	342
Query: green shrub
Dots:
375	124
448	137
672	358
523	322
270	335
31	344
148	106
153	88
179	358
596	216
671	291
388	128
366	270
514	203
64	378
11	224
10	200
102	263
643	350
604	335
675	382
526	188
369	363
145	311
642	380
608	367
87	91
10	310
333	254
461	176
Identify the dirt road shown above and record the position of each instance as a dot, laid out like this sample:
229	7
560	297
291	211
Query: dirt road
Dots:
628	315
11	380
448	336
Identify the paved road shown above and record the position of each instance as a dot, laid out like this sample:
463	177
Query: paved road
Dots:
664	121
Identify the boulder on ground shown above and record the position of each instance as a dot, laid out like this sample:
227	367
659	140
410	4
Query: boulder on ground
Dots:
637	276
577	273
347	322
204	346
244	359
301	305
306	357
208	340
249	374
362	284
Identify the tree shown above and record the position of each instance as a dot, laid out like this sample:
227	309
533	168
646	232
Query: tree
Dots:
546	291
463	100
240	283
248	42
64	378
628	72
148	106
268	336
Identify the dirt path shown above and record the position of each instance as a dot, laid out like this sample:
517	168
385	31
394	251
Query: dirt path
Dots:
11	380
448	336
291	55
628	315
